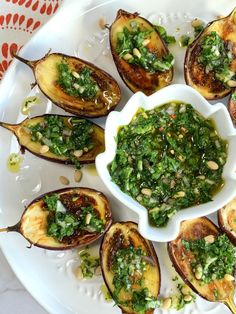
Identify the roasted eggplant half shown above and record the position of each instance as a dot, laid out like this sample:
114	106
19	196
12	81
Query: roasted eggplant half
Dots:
205	259
130	268
210	61
227	220
63	139
65	219
141	56
232	105
75	85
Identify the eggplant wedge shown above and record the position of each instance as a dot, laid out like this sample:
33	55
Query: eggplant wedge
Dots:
184	260
64	219
130	268
75	85
227	220
210	61
232	106
145	64
38	136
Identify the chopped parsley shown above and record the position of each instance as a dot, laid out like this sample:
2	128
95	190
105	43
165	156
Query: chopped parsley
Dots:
216	56
163	33
64	138
215	259
132	46
69	216
78	84
88	264
185	40
169	158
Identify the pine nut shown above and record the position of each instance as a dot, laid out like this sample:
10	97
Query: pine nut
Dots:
231	83
77	175
44	149
127	57
78	153
188	298
76	74
78	273
137	53
172	151
147	192
198	273
186	290
196	23
64	180
86	149
229	277
209	239
179	194
88	218
76	86
146	42
166	303
212	165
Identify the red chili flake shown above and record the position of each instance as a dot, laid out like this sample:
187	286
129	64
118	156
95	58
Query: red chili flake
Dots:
161	128
173	116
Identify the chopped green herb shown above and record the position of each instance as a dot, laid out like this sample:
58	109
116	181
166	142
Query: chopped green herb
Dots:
61	139
215	259
88	264
131	46
198	30
233	97
216	56
185	40
164	160
162	32
78	84
66	218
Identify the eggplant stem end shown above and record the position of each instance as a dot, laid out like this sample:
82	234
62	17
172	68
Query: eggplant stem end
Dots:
230	304
3	229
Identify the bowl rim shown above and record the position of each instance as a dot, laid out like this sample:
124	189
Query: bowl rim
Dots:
174	92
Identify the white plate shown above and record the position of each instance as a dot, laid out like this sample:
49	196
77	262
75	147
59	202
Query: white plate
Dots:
74	30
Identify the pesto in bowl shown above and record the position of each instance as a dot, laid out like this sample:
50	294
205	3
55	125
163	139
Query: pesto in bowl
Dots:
169	158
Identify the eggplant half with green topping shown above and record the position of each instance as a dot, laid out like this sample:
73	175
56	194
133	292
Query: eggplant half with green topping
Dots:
75	85
141	56
205	259
210	61
227	220
232	105
63	139
130	269
65	219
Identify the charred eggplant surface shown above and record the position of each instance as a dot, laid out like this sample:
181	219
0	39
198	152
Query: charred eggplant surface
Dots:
130	269
141	56
210	61
205	259
63	139
75	85
65	219
227	220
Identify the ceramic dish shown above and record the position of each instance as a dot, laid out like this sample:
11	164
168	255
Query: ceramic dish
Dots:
180	93
74	30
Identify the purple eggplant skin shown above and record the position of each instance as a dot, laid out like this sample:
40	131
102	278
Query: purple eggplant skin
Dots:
46	77
25	142
33	223
135	77
123	234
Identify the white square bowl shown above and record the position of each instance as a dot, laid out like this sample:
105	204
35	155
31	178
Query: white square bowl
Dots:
218	113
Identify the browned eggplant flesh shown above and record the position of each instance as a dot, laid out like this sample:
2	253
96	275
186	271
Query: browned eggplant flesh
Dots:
227	220
232	105
65	219
141	56
75	85
64	139
205	259
130	268
210	61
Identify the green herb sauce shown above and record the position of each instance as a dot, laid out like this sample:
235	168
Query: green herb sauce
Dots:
215	259
216	56
64	138
78	84
163	33
128	266
132	46
69	216
88	264
164	160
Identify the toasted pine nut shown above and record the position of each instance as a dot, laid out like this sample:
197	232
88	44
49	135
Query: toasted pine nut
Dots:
64	180
127	56
198	273
196	22
147	192
231	83
166	303
146	42
229	277
188	298
44	149
137	53
78	175
212	165
78	273
75	74
76	86
209	239
78	153
179	194
186	290
88	218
